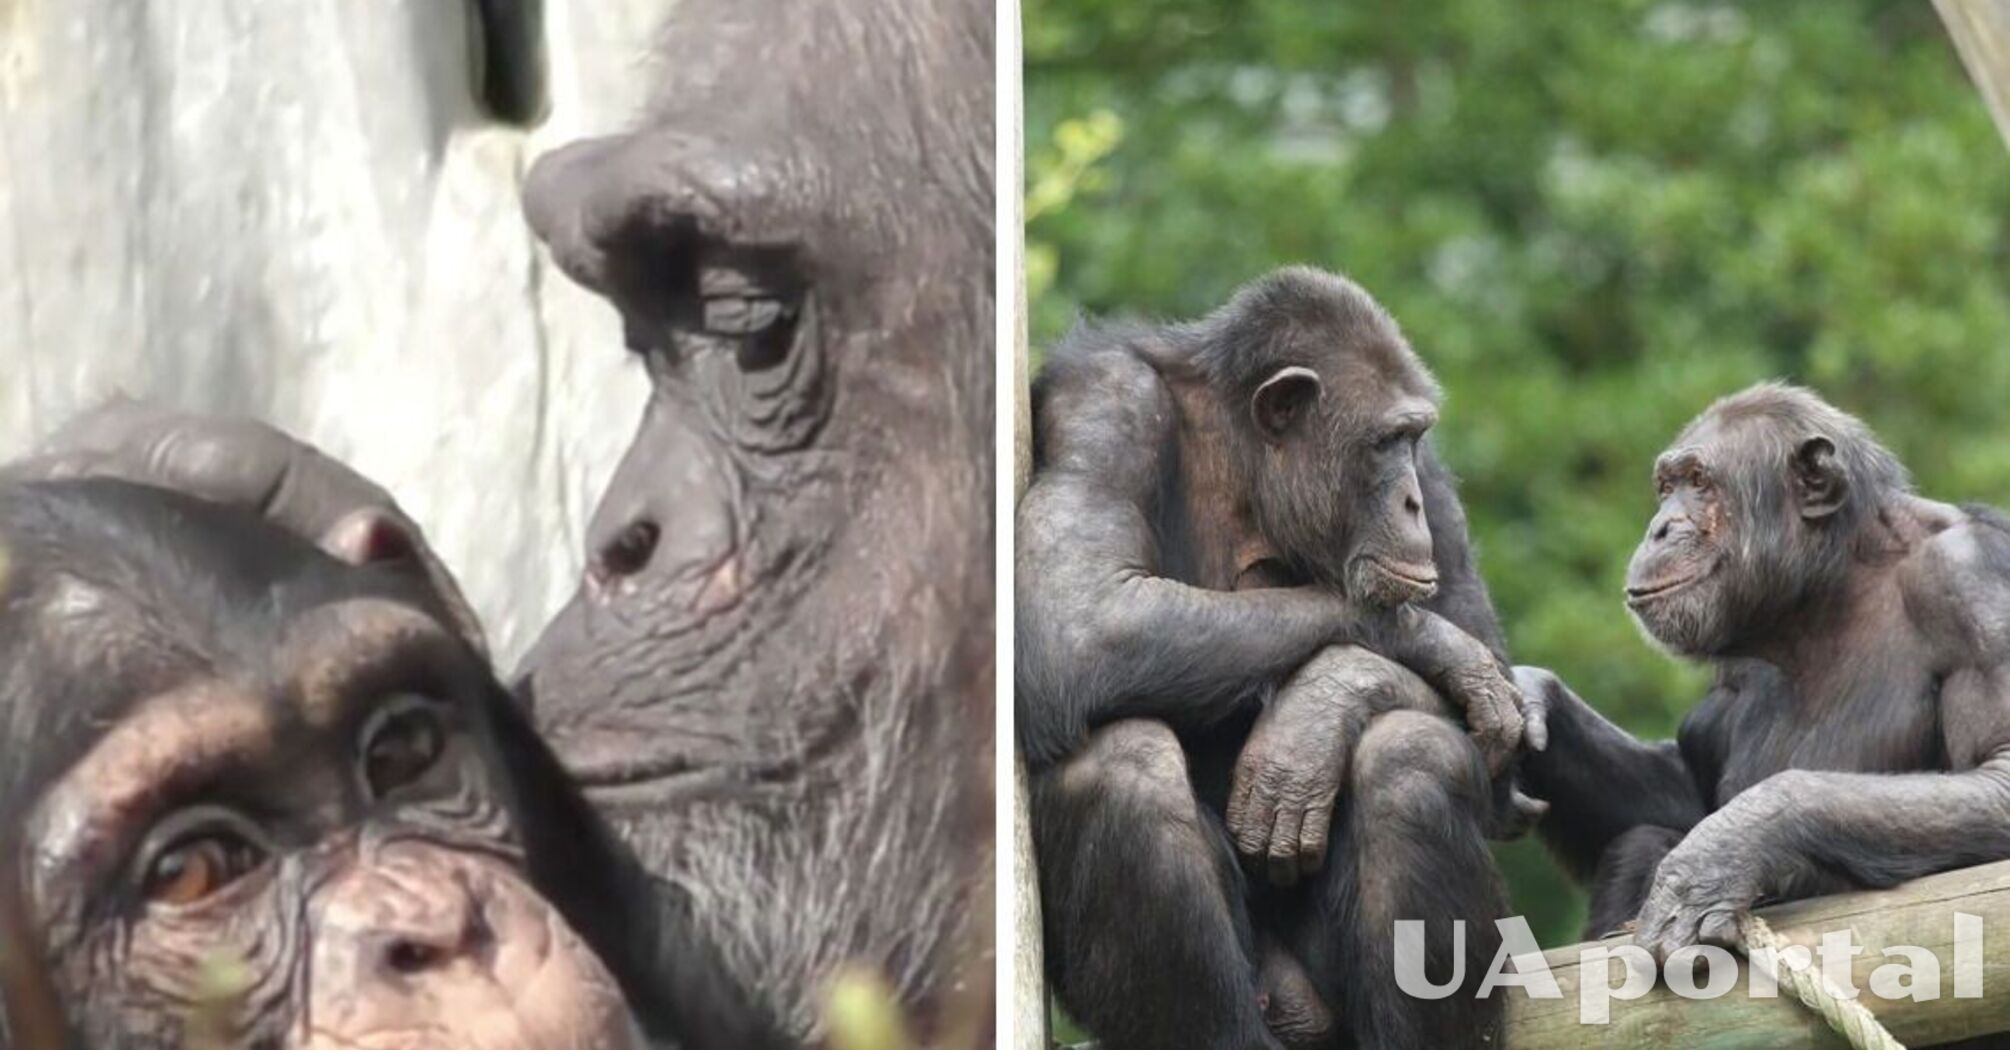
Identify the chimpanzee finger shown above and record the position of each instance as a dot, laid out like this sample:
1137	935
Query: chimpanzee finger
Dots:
1535	720
1655	916
1498	737
1283	856
1252	833
1240	790
1523	812
243	463
1721	929
1312	837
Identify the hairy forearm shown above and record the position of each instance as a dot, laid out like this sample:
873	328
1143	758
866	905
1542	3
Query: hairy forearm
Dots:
1877	828
1599	780
1187	652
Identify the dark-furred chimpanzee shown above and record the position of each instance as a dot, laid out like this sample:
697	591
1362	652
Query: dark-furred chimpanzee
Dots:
1238	547
1858	732
776	678
263	793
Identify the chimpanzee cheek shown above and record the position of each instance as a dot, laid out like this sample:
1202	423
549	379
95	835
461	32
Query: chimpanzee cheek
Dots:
215	975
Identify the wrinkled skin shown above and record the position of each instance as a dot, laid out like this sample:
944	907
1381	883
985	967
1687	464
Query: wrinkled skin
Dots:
1858	731
275	798
1296	759
776	677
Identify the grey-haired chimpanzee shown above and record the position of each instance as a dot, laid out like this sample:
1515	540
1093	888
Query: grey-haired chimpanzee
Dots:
263	793
1858	731
1237	550
776	677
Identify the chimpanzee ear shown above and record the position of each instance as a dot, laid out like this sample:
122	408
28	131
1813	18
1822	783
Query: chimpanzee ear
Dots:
1283	400
1819	483
370	534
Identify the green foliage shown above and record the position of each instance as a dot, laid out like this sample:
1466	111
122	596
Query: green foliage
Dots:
1591	220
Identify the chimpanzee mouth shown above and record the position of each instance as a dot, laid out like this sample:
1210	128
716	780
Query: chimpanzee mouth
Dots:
1421	577
1645	593
610	772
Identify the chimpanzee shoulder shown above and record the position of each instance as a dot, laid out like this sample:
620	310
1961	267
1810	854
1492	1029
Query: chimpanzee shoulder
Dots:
1958	586
1100	405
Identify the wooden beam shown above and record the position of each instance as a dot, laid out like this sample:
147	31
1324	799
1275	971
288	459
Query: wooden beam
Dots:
1028	1002
1981	32
1919	914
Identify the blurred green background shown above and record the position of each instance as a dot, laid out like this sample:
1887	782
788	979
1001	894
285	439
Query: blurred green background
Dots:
1591	219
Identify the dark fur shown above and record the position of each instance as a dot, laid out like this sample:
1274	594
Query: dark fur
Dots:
1856	629
777	677
179	588
1138	675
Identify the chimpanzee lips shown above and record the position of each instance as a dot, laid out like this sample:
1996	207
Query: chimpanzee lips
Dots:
1422	576
1638	593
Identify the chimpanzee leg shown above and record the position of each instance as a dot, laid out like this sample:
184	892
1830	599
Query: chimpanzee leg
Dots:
1148	940
1625	871
1409	842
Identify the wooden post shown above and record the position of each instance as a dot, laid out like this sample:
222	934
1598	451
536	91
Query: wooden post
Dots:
1919	914
1981	32
1029	984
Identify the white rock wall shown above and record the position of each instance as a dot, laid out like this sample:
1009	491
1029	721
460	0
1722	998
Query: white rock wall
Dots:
294	209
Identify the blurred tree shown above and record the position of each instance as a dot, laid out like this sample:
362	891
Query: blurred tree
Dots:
1590	218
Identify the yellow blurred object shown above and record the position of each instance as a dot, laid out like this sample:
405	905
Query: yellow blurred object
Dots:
219	992
863	1014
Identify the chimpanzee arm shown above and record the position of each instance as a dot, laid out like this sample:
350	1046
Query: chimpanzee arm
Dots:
1599	780
1101	635
1877	829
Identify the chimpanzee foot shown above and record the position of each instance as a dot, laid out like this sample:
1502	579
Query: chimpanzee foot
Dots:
1292	1008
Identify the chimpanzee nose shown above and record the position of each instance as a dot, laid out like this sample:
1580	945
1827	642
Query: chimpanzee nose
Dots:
404	915
414	952
1412	504
425	936
1661	530
627	552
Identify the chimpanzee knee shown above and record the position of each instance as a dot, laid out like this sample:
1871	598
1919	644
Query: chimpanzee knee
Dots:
1139	760
1410	846
1410	765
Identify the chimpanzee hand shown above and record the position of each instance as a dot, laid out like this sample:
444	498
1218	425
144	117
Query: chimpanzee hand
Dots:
1493	711
1295	761
1716	872
1287	779
246	463
1470	676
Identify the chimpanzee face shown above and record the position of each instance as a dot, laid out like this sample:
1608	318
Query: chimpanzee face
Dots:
1745	523
1336	482
266	807
1676	586
798	241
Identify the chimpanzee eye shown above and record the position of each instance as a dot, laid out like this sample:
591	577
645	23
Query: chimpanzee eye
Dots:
198	866
750	297
399	746
763	328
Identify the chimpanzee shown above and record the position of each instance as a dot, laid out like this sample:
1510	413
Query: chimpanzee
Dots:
264	793
1220	508
1858	731
776	679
